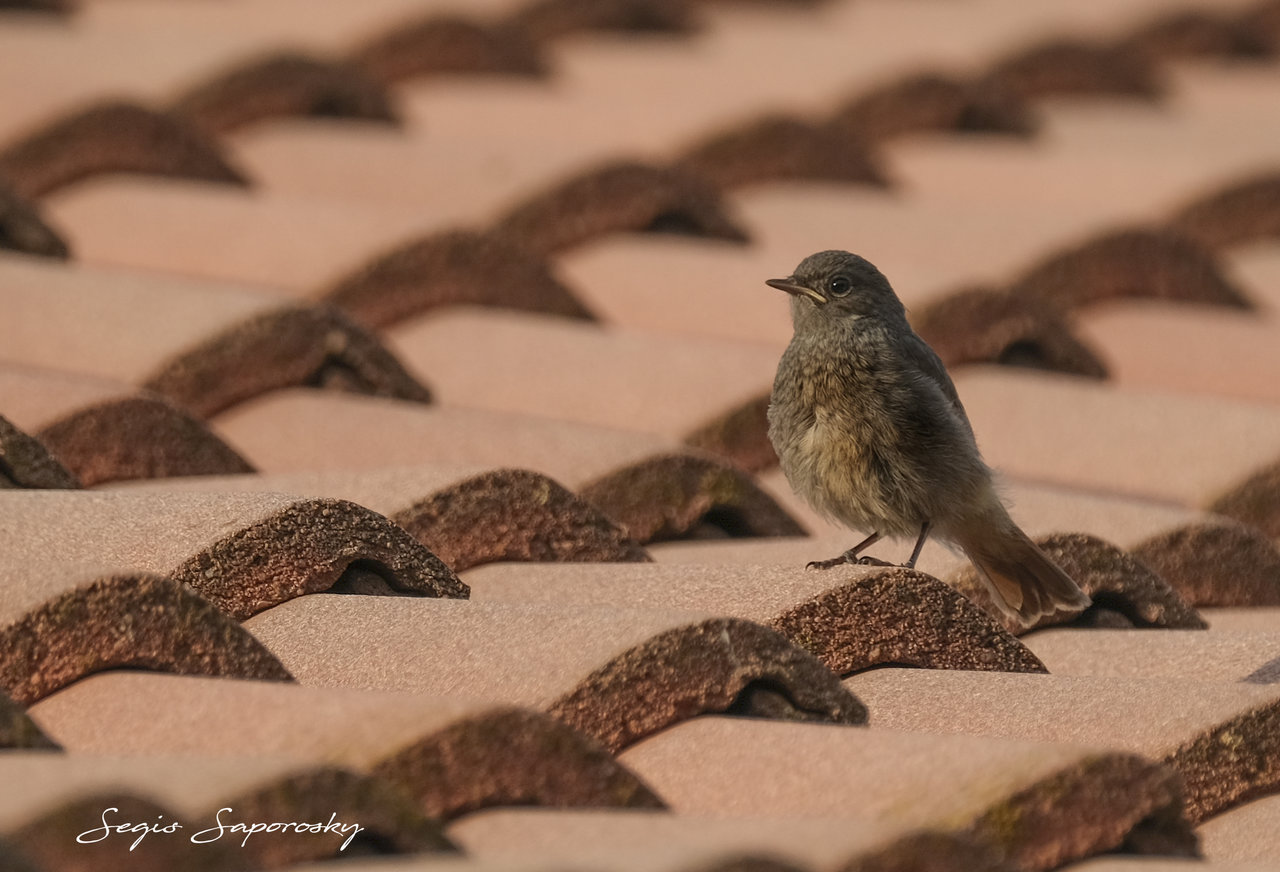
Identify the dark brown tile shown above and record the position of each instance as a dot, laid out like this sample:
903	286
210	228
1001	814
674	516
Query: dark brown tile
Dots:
615	674
1216	563
18	731
116	137
63	622
24	229
1073	67
1255	501
242	552
1125	592
281	85
466	516
1242	212
545	20
449	268
26	462
445	44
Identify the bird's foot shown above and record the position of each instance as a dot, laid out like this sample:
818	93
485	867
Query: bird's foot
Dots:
847	558
874	561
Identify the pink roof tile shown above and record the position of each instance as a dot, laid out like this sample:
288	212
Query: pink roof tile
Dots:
1223	655
852	619
721	767
615	674
1246	833
451	756
243	552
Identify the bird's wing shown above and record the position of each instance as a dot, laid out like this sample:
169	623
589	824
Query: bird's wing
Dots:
927	362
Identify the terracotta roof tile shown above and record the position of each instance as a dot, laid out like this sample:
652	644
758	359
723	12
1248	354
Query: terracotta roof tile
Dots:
740	435
103	431
284	84
64	622
451	756
116	137
299	430
17	730
544	20
1220	655
620	197
625	379
61	797
242	552
1216	563
988	325
1238	213
1160	446
296	345
615	674
934	101
1198	33
720	767
1244	620
1246	833
778	146
452	267
466	516
1220	737
1254	501
26	462
851	619
1076	67
654	840
450	44
677	495
1123	589
22	228
1131	263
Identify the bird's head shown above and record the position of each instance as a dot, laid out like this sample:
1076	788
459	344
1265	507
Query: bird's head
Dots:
836	286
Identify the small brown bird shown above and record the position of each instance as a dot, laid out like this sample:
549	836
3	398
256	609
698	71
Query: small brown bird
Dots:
870	431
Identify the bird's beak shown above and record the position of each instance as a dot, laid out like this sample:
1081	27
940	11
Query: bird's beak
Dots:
793	287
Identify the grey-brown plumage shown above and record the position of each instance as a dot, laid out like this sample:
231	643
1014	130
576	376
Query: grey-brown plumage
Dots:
870	431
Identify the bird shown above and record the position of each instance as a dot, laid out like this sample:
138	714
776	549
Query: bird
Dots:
869	430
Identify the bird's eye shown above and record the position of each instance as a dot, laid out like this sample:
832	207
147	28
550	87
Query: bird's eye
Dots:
839	286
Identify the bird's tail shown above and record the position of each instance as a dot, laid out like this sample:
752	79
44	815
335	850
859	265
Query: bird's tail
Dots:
1025	584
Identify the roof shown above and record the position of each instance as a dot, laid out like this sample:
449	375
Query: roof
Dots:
384	439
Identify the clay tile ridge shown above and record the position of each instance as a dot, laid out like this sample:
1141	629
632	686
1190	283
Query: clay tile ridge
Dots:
60	6
544	20
1216	563
282	85
23	229
452	267
1264	20
26	462
671	496
1231	763
295	346
716	665
1135	262
623	196
510	757
449	44
1254	501
387	815
1124	590
242	552
113	137
1073	67
18	731
778	146
902	617
740	435
138	437
124	619
1199	33
990	325
934	101
1242	212
515	514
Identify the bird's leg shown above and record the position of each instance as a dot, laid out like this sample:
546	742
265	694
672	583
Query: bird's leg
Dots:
915	552
851	556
